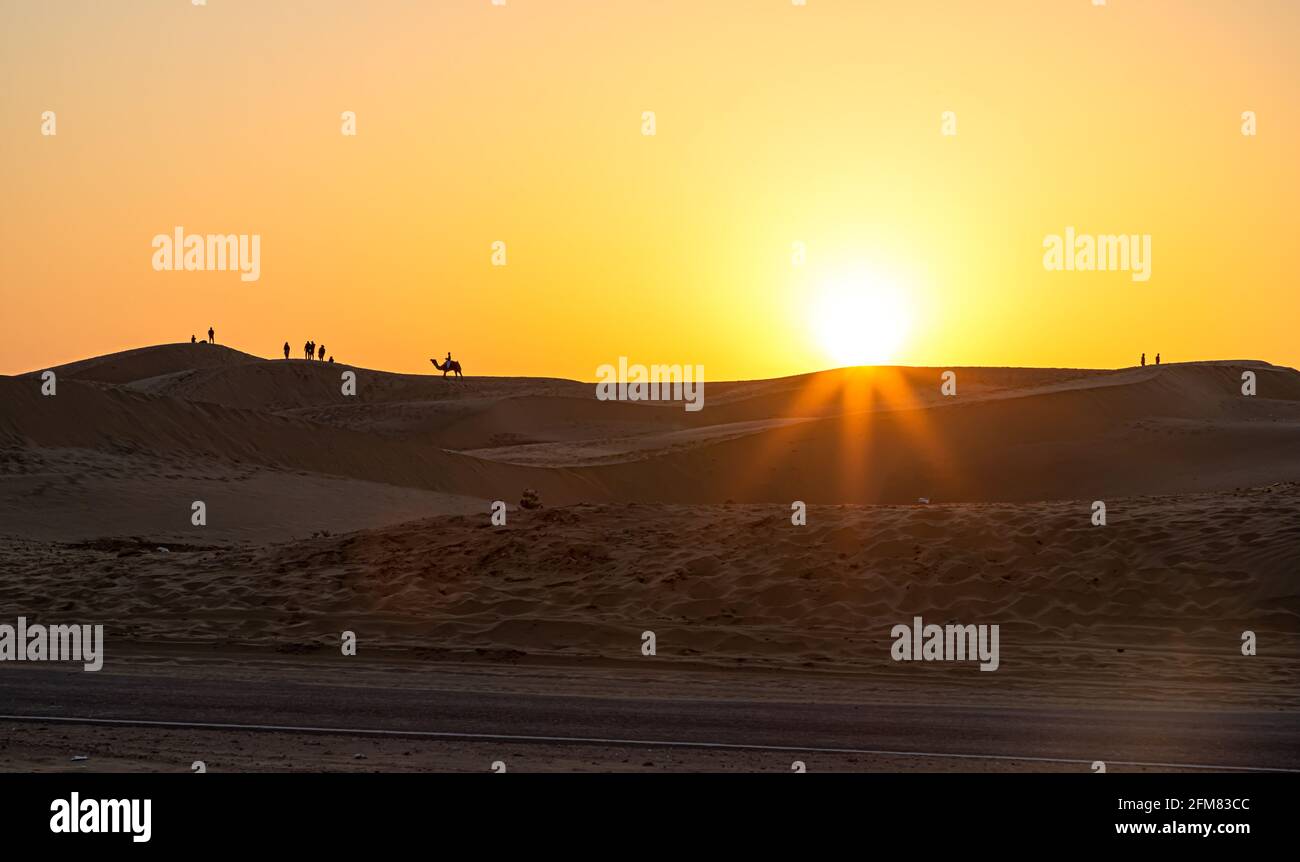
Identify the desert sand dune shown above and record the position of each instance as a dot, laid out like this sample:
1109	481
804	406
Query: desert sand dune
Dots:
1169	430
329	514
853	390
142	363
473	414
503	420
874	436
67	495
268	385
1152	604
87	421
220	375
586	451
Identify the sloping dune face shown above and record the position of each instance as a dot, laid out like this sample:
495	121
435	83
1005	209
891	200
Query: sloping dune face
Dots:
120	421
143	363
1151	606
328	510
880	435
1163	430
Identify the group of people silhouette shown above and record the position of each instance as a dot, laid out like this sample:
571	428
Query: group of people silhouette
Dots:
310	350
1144	359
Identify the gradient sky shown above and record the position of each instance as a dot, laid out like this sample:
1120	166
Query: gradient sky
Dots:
775	124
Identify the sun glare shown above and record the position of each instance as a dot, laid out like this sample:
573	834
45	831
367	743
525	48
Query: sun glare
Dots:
861	320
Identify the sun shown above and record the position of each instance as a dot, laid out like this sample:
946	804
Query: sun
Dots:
861	320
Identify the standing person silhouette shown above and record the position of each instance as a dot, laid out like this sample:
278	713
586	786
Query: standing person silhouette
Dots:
286	350
306	348
193	340
1157	359
1144	360
212	336
321	352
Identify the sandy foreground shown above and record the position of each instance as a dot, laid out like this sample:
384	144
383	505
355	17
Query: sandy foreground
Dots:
328	515
1155	601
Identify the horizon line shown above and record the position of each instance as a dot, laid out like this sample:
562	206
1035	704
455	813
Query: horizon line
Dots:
819	370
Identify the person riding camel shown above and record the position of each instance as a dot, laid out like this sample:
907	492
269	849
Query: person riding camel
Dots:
450	365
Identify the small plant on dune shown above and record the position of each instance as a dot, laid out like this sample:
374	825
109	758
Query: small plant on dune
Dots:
530	500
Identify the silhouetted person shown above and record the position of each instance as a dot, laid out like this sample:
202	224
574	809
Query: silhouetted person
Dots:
212	336
306	348
321	352
1144	360
449	366
193	340
331	360
1157	359
286	350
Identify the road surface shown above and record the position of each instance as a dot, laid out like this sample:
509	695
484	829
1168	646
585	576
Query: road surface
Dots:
979	734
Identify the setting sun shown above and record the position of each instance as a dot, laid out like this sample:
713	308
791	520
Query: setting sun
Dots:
861	319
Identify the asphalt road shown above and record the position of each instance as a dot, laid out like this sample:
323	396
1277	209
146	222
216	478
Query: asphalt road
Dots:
1254	740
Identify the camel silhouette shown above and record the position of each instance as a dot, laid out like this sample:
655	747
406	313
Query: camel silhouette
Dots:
452	365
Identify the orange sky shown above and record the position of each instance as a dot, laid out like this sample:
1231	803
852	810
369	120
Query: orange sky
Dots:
775	124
